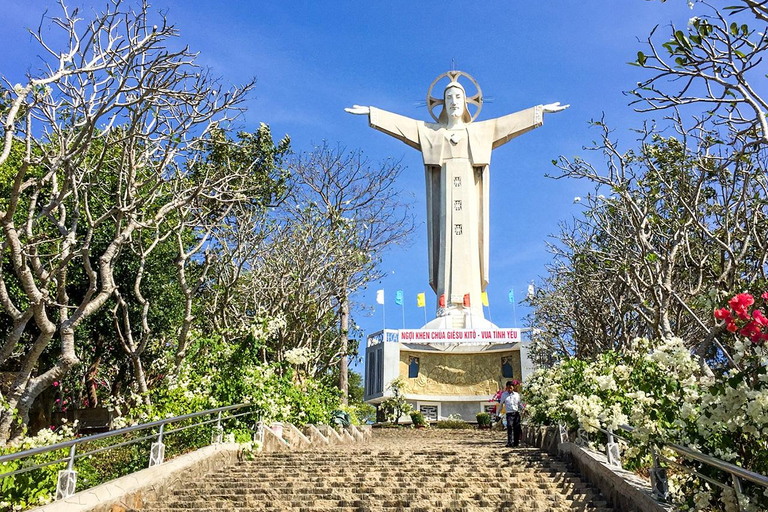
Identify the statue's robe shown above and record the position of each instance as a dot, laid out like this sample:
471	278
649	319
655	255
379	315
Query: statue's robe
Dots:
456	165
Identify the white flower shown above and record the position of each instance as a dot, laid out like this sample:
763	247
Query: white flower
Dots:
298	356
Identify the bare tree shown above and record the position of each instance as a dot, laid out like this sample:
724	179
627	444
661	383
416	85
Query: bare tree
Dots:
670	232
361	203
107	132
713	63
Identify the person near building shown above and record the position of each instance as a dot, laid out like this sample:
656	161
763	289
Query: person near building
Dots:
511	405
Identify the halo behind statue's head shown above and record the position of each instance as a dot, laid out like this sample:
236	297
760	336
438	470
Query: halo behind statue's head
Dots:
453	79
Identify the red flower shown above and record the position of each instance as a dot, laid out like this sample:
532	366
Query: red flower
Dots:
723	314
731	327
739	303
760	318
751	330
765	295
55	383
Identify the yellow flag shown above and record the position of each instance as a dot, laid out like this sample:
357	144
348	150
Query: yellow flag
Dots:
484	298
421	301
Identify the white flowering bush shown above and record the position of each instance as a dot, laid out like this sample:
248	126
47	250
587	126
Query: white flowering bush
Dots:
35	487
662	390
299	356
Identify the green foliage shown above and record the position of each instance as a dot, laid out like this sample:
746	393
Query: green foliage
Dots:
453	424
341	418
417	419
395	406
661	391
483	419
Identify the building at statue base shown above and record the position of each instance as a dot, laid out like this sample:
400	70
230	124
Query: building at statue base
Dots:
446	372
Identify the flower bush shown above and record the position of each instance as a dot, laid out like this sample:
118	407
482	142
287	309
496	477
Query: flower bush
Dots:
218	373
669	396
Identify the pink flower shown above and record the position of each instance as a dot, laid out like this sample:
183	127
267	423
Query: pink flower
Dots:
723	314
739	303
751	330
55	383
765	295
760	318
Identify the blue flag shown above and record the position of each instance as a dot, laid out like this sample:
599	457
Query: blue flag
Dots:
399	297
512	296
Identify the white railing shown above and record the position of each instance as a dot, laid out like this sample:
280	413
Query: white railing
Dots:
67	479
658	472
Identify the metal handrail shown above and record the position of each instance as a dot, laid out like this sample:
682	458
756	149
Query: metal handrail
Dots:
696	455
126	430
737	473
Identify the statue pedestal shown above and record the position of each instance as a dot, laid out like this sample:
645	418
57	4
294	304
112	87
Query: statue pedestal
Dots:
445	372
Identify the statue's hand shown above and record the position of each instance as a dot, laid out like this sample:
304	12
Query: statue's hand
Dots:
359	110
554	107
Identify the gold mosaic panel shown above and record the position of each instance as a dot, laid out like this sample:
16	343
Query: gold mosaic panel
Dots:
457	374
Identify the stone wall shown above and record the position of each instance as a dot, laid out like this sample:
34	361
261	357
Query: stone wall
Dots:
457	374
625	491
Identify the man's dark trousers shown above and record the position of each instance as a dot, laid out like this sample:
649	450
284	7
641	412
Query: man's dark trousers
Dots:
514	431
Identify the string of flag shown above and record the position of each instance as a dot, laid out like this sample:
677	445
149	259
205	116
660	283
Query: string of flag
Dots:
421	302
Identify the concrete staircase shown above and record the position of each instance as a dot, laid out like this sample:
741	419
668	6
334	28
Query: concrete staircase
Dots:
398	470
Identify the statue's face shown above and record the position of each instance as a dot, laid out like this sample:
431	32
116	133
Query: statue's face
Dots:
454	102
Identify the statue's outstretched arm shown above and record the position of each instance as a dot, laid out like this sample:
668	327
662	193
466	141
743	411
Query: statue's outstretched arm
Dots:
358	110
400	127
551	108
508	127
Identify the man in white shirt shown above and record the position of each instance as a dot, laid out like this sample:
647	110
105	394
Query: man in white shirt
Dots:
509	402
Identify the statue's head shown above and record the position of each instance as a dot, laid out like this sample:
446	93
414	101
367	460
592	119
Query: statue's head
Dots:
455	103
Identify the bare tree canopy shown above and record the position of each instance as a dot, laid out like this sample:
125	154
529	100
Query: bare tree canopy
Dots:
101	154
678	225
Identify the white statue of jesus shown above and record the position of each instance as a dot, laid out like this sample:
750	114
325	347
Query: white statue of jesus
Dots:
457	155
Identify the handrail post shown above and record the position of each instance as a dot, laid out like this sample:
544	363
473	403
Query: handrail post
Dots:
582	438
737	491
260	432
66	482
217	436
612	453
157	451
658	477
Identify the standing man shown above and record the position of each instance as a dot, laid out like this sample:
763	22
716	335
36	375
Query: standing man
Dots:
510	403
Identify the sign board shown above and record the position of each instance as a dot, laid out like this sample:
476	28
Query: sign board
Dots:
459	335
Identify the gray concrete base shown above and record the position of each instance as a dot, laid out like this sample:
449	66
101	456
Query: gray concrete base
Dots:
625	491
131	491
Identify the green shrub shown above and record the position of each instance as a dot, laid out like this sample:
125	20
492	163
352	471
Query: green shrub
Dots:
454	424
417	418
483	419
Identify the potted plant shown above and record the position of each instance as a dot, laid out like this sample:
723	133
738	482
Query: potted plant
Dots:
417	419
483	420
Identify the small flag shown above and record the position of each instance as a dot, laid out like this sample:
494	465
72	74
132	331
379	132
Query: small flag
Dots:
421	300
512	296
484	298
441	301
466	300
530	290
399	297
380	297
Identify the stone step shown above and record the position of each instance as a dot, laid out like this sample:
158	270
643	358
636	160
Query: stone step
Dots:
394	504
378	493
317	482
396	471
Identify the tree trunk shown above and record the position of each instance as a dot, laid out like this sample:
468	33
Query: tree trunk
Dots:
344	363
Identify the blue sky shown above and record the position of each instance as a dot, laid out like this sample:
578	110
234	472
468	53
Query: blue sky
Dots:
311	59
